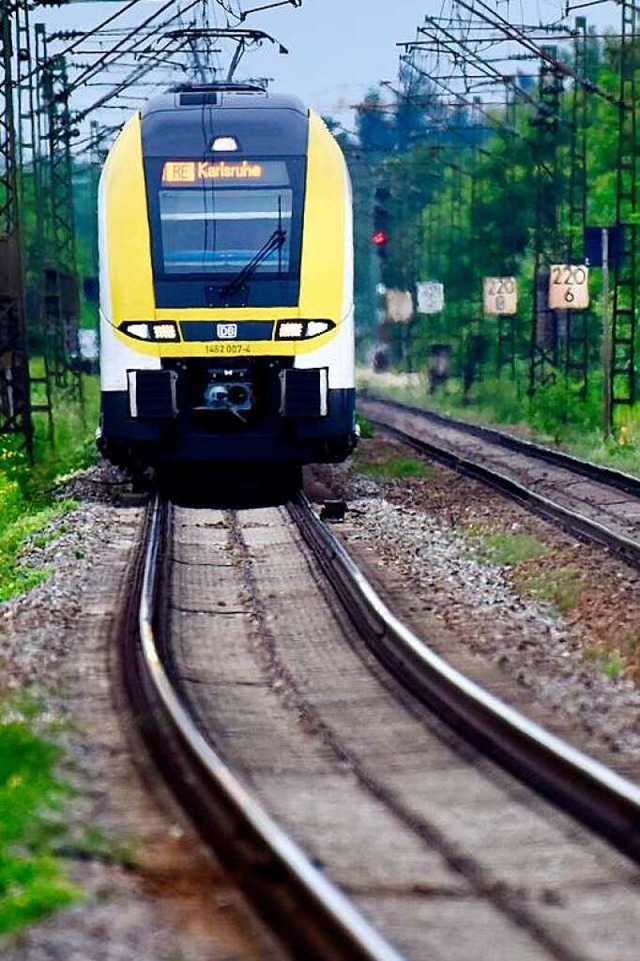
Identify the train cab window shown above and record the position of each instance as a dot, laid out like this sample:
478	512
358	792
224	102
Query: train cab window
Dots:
207	231
210	219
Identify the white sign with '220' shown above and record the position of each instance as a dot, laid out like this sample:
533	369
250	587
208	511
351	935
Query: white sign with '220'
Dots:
568	287
500	295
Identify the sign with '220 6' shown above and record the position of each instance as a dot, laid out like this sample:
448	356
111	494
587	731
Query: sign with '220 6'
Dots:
568	287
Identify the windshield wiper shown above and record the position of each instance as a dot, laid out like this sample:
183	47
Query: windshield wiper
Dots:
272	243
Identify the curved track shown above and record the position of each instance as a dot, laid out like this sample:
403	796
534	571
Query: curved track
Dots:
315	919
589	501
215	699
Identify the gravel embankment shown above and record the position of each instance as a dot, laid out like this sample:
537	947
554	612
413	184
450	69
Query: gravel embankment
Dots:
422	540
150	891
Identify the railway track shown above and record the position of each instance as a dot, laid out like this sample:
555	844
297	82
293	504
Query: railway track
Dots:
312	915
256	693
587	500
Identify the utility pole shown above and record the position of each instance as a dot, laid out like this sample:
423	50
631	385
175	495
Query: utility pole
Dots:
623	331
606	337
544	332
576	360
61	293
15	403
31	193
506	333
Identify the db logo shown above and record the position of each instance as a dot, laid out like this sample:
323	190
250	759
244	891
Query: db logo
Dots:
227	331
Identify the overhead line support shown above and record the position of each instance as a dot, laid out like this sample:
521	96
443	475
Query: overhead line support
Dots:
624	323
544	325
576	361
15	402
61	288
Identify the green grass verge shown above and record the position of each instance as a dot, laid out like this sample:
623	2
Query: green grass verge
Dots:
562	586
32	797
27	504
16	576
395	468
32	801
510	549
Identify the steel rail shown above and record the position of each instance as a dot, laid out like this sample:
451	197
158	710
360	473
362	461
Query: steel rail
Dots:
600	798
604	475
272	867
573	522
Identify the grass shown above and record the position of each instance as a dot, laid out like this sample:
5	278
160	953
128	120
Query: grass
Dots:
610	663
395	468
32	803
510	549
16	576
366	429
27	502
561	586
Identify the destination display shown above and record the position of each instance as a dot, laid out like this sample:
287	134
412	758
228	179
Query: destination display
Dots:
177	172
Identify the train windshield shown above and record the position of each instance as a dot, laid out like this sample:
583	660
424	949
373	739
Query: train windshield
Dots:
215	217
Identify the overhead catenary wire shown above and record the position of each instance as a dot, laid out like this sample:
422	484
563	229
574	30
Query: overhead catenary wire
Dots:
125	84
514	33
107	59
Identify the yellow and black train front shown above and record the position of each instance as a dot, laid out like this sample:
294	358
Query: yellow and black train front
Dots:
226	277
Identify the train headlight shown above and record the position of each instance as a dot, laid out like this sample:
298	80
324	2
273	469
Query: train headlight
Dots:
224	144
139	331
289	330
165	331
302	329
317	327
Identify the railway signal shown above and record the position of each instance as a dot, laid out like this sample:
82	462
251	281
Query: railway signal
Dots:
380	235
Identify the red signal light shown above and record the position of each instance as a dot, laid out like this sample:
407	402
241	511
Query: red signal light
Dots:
380	238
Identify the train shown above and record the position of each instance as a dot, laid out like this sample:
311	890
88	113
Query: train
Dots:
226	284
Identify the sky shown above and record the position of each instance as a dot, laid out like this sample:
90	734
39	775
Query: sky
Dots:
338	49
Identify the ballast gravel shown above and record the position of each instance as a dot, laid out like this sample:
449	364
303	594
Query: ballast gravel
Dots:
523	636
55	641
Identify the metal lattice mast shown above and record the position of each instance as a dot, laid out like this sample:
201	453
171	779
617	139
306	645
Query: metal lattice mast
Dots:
50	288
31	193
15	406
506	334
61	282
577	340
544	334
623	330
